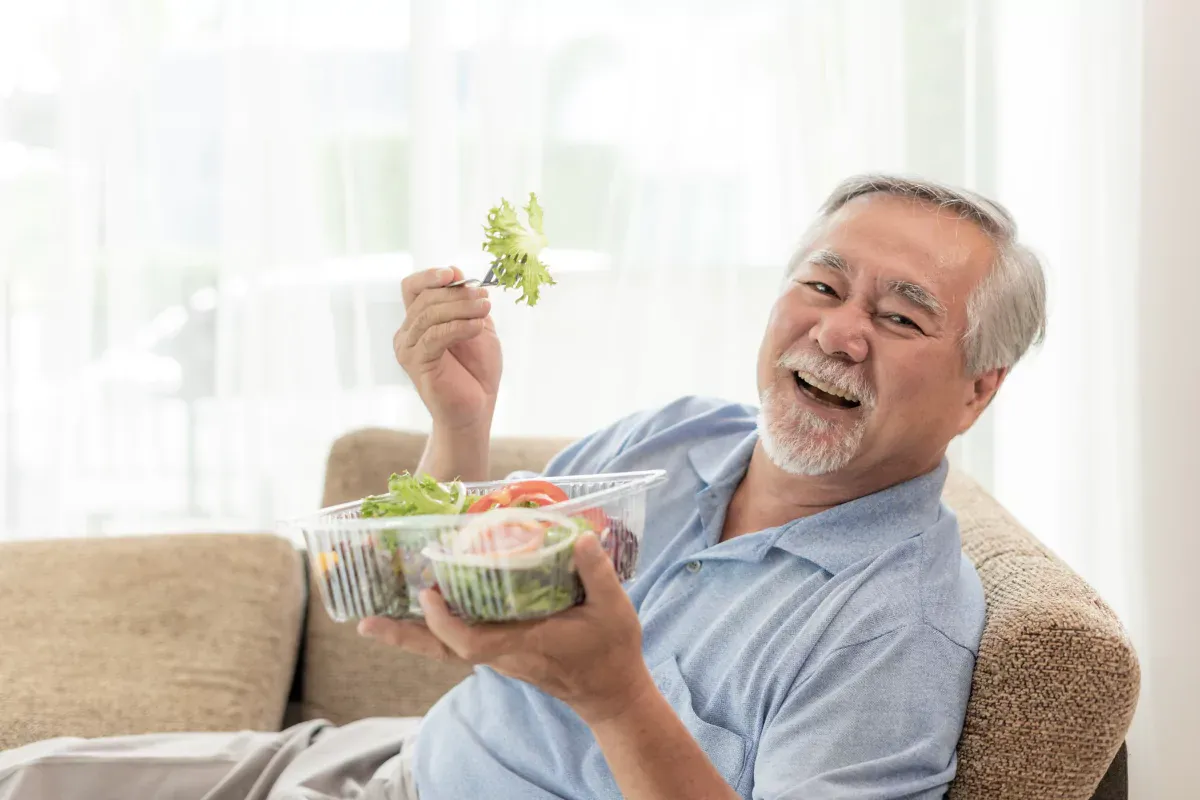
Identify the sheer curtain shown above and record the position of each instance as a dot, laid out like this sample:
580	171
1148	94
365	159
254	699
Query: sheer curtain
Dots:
227	194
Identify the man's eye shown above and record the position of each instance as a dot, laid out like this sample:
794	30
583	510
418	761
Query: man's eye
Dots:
822	288
900	319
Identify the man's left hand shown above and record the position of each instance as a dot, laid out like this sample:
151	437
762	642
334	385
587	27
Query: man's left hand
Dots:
589	656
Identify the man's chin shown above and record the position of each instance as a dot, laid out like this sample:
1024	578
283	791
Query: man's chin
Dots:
804	449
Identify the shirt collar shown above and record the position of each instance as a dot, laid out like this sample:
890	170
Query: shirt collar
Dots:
723	458
840	536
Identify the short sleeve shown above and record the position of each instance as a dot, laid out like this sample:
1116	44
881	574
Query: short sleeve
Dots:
879	720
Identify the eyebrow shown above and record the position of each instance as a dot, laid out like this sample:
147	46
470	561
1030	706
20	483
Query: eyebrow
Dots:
830	259
919	296
914	293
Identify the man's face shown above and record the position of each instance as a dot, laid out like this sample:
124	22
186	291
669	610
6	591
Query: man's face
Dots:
874	311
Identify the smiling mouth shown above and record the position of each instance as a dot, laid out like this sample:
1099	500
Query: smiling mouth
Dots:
824	393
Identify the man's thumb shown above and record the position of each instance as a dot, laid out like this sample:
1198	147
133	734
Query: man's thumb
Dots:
595	568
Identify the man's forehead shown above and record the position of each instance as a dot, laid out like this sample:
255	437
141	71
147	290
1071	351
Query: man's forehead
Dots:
909	236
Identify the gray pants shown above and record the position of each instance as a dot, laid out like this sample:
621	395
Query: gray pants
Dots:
366	760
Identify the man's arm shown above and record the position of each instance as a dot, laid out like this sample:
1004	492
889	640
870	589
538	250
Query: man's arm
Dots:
654	757
461	455
448	347
590	657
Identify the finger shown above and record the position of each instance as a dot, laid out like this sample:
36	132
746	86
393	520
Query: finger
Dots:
431	316
413	319
440	337
600	581
426	300
441	294
473	643
411	636
418	282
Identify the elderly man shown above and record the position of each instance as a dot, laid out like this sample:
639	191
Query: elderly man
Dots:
803	623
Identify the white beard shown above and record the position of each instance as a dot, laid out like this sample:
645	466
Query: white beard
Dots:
800	442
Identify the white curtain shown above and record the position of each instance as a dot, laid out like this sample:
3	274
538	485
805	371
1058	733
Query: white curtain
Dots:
206	208
228	193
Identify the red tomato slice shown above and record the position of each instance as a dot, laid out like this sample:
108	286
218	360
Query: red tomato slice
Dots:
497	499
531	501
540	493
521	488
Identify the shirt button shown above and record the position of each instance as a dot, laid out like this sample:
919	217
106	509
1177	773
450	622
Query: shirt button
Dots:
693	566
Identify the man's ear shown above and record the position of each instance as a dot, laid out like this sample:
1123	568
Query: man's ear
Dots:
983	389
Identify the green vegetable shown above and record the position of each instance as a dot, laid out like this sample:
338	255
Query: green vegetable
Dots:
515	249
408	496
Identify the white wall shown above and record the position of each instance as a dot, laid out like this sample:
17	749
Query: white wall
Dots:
1165	745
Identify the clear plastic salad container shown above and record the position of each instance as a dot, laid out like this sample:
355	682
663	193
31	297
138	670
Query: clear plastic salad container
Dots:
377	566
508	564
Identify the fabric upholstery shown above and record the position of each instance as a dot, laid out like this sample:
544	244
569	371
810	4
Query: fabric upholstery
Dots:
1054	689
103	637
346	677
1056	682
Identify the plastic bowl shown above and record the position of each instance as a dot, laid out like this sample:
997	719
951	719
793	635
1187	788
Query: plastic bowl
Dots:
518	563
377	566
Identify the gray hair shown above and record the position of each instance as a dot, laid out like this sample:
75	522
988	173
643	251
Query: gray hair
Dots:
1006	312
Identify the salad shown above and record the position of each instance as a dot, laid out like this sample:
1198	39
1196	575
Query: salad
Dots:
513	563
516	249
348	561
503	569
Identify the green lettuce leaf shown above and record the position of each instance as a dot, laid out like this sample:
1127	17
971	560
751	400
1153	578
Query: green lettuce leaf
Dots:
410	495
515	249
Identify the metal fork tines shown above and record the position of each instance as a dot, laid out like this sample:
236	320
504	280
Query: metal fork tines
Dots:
488	280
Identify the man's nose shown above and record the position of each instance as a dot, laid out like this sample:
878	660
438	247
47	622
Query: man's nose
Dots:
842	333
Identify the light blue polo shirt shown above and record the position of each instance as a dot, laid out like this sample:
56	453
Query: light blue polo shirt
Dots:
830	657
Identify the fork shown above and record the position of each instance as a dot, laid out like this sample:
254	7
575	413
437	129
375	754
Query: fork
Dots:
488	280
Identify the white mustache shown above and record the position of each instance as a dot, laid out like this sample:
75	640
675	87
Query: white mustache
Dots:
831	371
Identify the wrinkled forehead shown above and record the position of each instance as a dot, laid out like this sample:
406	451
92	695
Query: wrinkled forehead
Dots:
894	238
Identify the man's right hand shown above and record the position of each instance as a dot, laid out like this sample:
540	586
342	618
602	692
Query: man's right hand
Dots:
449	349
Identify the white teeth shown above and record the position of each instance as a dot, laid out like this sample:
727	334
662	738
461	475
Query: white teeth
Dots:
825	387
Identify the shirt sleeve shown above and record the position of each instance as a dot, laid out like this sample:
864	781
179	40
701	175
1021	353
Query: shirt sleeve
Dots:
879	719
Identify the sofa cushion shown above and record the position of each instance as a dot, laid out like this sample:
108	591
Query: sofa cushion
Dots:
1056	681
113	636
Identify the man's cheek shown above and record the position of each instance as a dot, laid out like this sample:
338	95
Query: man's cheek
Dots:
901	390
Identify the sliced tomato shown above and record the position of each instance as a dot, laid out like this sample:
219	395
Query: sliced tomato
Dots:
531	501
534	494
550	490
497	499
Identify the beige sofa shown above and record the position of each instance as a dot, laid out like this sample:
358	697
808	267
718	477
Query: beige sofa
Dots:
218	632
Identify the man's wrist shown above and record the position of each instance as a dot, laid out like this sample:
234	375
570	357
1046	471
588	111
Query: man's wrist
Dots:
626	709
461	453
